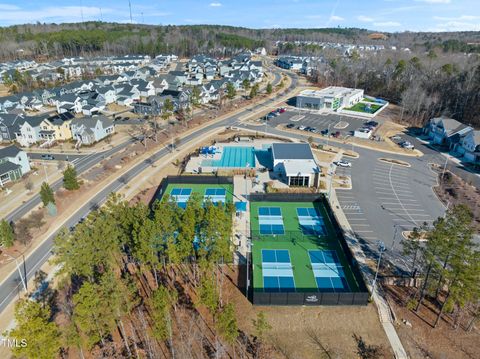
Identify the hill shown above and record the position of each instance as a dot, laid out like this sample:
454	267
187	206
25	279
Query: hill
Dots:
74	39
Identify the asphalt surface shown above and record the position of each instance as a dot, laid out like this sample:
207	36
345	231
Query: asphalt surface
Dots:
73	158
12	285
327	121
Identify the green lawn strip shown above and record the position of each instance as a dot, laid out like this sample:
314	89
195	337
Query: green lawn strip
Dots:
200	188
360	107
369	100
297	244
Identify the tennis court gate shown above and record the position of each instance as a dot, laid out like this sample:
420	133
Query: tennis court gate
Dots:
189	179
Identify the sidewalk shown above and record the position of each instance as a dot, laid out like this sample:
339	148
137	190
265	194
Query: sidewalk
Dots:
384	311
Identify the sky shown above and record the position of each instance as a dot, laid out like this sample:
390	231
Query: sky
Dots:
381	15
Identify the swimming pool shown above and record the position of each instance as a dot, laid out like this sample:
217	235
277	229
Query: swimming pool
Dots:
234	157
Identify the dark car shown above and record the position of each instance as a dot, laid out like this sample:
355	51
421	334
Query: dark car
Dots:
324	132
290	125
47	157
336	134
313	129
308	128
371	124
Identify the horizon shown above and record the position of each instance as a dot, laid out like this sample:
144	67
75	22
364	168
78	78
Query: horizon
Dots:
392	16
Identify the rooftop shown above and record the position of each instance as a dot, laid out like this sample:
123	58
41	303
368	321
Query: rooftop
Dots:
332	91
292	151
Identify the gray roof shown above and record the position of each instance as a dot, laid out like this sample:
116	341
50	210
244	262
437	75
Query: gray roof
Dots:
7	167
10	151
91	122
292	151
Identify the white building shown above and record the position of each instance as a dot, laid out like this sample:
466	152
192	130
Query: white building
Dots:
331	98
295	163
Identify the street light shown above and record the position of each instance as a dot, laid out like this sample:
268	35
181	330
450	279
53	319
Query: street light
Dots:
328	133
381	248
24	280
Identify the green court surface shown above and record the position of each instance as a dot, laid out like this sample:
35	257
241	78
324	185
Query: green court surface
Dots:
201	189
297	243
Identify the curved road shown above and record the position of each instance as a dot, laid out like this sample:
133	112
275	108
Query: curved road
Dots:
12	285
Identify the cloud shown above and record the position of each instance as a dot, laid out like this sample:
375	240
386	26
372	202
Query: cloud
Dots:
336	18
456	26
435	1
457	18
363	18
8	7
51	14
215	4
387	24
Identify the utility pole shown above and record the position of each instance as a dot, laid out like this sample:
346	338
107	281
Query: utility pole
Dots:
381	248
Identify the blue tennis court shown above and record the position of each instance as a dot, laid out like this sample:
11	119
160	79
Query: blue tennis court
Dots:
328	271
181	195
270	221
215	194
311	222
277	271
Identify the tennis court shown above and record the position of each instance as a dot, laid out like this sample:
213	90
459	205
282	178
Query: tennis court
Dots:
270	221
311	222
328	271
215	194
182	192
181	195
277	271
304	231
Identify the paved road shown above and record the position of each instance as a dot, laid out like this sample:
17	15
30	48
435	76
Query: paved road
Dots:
82	164
12	285
74	158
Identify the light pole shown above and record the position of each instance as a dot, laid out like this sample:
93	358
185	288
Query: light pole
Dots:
444	168
328	132
381	248
24	280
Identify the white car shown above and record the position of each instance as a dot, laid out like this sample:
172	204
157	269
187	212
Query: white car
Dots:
301	128
343	163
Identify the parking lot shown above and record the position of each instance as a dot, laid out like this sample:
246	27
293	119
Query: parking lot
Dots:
337	122
386	200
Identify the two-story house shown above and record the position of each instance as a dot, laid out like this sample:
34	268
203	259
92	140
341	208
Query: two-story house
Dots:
445	131
13	164
88	130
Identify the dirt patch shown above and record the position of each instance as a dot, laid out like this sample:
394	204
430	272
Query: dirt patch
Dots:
395	162
422	341
453	190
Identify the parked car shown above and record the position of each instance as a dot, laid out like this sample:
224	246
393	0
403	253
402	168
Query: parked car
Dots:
371	123
336	134
324	132
290	125
342	163
396	138
407	145
47	157
282	109
313	129
270	116
301	128
308	128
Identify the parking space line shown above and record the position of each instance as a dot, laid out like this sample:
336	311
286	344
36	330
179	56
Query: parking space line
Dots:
361	225
363	231
357	219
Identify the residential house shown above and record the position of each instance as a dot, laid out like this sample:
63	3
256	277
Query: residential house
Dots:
57	127
13	164
9	126
446	131
88	130
29	131
469	147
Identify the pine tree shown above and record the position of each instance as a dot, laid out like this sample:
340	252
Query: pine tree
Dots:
161	304
70	181
261	325
208	295
269	88
227	324
231	92
254	91
246	84
7	237
37	336
46	194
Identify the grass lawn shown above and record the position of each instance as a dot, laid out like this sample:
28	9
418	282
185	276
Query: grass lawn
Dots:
297	244
361	107
368	100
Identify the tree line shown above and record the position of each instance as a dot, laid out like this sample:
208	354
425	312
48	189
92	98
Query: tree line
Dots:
121	276
447	259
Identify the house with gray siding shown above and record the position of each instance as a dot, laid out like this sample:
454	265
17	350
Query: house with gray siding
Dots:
13	164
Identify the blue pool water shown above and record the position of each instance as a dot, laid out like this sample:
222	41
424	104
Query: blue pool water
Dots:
234	157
